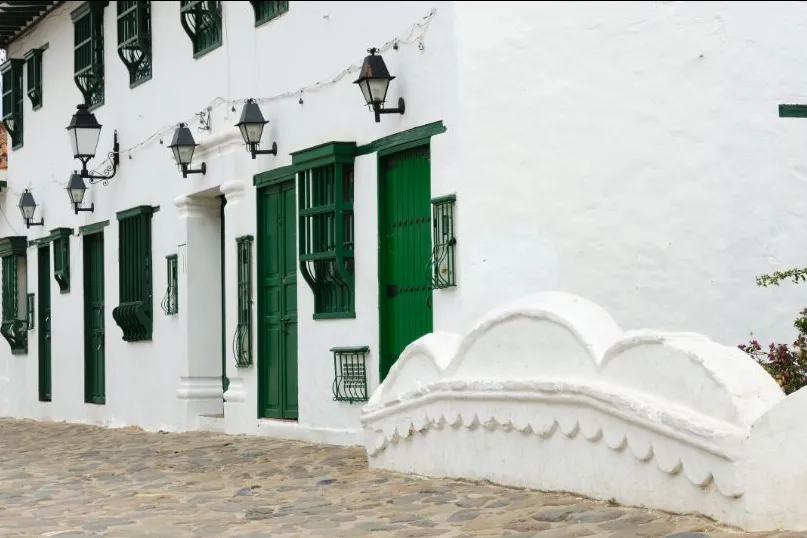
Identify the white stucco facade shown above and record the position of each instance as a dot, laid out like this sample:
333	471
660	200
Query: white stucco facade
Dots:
630	153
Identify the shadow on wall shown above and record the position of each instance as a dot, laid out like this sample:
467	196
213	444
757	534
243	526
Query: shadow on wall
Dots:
671	421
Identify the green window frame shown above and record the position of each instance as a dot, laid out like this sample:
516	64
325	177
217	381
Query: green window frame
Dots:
326	236
88	51
170	303
201	20
61	257
266	11
14	325
33	66
134	39
135	312
11	71
242	342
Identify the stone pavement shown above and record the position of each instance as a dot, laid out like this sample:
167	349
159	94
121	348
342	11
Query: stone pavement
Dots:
76	481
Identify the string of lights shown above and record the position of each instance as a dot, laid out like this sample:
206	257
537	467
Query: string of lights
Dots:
415	36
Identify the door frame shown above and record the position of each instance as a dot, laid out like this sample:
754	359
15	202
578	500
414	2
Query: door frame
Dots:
260	363
381	155
97	235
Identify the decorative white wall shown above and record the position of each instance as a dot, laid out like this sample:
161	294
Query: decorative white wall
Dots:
168	382
549	393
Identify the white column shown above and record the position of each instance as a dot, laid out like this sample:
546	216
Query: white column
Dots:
240	400
200	390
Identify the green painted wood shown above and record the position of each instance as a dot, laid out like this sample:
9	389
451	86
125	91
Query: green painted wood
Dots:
327	153
225	381
416	134
16	245
92	228
61	257
793	111
94	326
405	290
134	211
278	175
277	302
44	322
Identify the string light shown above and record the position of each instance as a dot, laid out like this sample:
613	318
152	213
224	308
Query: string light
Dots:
416	34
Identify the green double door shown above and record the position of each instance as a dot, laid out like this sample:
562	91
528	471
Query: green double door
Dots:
94	334
277	302
405	245
43	284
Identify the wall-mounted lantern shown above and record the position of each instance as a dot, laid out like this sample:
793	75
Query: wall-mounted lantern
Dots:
183	145
84	131
374	82
28	208
251	126
76	190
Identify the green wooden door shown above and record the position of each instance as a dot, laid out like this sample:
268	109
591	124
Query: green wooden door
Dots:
94	336
45	383
277	302
404	221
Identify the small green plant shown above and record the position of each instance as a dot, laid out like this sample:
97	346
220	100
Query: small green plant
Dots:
787	364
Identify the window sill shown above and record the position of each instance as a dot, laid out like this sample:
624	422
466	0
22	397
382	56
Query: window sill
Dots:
335	315
209	49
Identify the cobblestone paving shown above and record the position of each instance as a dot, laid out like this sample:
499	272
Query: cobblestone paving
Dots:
76	481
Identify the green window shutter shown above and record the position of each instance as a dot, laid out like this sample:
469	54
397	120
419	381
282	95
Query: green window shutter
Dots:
11	71
326	227
201	20
170	303
14	325
33	64
135	313
61	257
134	39
266	11
242	343
88	51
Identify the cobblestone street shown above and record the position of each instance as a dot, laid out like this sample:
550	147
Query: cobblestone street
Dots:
76	481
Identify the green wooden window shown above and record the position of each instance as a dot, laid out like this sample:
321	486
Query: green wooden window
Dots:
14	325
170	303
443	242
33	65
134	39
242	343
326	227
31	317
134	314
266	11
350	374
88	51
201	20
12	88
61	257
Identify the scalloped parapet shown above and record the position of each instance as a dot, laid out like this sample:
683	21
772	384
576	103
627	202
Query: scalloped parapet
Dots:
550	393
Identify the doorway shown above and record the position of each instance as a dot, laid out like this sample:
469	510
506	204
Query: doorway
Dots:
94	328
45	366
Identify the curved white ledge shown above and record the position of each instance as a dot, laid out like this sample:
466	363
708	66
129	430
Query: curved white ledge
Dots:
548	392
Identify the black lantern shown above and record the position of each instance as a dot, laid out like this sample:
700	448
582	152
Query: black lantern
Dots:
183	146
374	82
76	190
84	131
251	127
28	208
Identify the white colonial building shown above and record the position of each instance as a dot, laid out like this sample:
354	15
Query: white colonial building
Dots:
631	153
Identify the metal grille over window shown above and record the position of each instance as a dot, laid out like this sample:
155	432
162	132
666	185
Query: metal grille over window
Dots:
326	238
350	374
134	314
88	51
242	342
266	11
12	103
134	39
170	303
31	312
442	258
33	65
201	20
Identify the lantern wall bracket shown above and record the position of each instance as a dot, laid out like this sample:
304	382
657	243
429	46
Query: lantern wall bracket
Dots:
378	110
32	222
90	209
253	149
186	169
110	170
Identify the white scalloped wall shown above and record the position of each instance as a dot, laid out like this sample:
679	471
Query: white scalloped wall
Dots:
549	393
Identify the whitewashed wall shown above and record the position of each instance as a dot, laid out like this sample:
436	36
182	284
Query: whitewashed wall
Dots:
632	153
313	42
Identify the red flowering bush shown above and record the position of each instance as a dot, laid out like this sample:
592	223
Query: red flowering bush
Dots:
787	364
